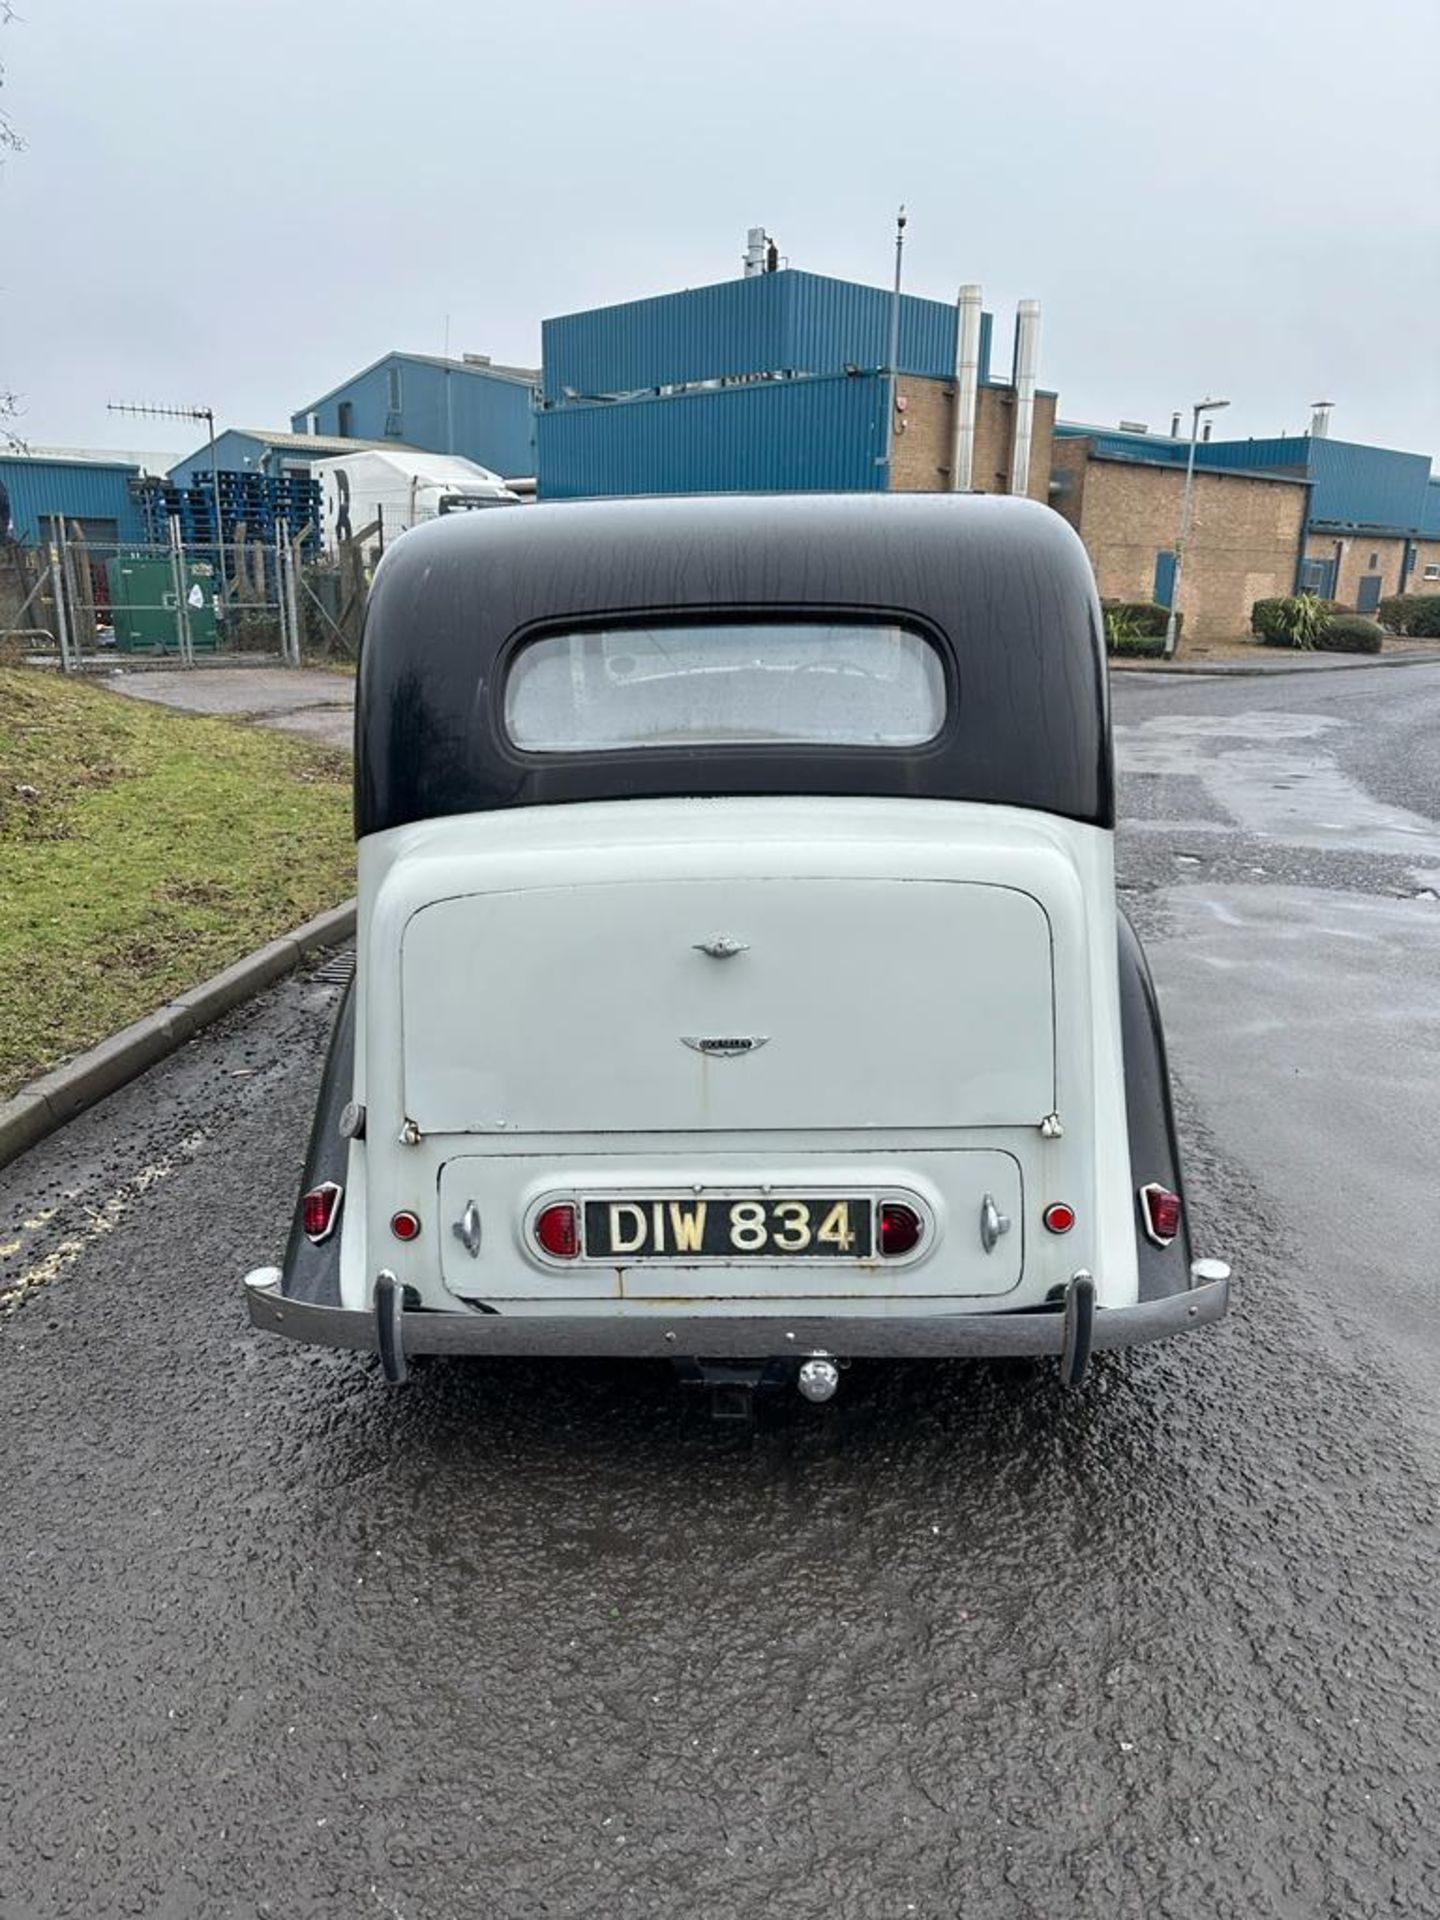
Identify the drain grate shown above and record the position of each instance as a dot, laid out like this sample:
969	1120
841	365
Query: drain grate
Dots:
339	969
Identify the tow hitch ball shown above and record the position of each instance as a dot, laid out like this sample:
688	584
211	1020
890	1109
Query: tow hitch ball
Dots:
733	1384
818	1380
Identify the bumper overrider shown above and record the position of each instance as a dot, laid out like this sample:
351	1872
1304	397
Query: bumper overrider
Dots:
1071	1333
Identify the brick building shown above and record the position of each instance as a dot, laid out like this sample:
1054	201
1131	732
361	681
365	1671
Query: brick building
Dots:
1245	538
1349	522
925	430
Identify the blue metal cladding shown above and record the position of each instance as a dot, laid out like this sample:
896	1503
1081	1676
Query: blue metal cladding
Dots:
1366	486
703	334
1290	454
773	322
481	415
776	437
235	452
1352	485
832	323
1430	511
78	489
1133	446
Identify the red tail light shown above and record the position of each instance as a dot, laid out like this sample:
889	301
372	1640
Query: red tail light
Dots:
557	1229
1059	1217
405	1225
1161	1212
900	1229
319	1210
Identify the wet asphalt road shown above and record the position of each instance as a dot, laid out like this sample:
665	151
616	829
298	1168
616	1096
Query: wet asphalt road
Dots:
542	1641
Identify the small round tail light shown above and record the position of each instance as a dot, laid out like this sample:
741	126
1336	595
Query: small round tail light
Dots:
405	1225
900	1229
319	1210
1059	1216
557	1230
1160	1210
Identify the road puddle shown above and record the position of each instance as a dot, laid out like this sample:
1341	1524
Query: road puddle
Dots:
1276	780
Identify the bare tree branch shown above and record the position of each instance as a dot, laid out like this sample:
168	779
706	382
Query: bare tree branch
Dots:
10	140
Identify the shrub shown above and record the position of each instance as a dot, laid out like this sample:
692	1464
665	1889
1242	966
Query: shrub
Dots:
1126	634
1135	646
1415	614
1349	633
1294	620
1146	619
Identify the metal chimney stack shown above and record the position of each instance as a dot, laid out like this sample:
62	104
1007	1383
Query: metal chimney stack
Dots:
755	243
967	388
1320	412
1027	362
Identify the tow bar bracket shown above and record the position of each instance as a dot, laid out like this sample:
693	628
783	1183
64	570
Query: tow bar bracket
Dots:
389	1329
1079	1328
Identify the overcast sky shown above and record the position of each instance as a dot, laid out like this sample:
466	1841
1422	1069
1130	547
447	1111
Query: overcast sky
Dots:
240	204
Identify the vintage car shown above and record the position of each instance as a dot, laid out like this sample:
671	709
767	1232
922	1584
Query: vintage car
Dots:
739	978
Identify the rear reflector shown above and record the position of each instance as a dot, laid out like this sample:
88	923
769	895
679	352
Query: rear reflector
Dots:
319	1210
1059	1217
405	1225
900	1229
1160	1210
557	1229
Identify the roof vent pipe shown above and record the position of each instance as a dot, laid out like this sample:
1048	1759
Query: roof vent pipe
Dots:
1320	412
1027	361
756	241
967	388
1174	426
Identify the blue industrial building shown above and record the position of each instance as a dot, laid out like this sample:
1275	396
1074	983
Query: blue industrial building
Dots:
98	496
263	450
469	407
775	381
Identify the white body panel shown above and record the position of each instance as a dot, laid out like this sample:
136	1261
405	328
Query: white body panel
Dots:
932	981
828	967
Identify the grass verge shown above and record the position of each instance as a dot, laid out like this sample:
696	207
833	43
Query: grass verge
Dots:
142	850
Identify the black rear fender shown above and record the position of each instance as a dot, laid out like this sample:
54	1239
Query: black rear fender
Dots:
313	1273
1154	1150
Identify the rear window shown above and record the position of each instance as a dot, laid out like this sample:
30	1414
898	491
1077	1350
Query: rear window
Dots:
750	683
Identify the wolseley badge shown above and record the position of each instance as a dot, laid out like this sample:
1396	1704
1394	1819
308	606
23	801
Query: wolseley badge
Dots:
727	1047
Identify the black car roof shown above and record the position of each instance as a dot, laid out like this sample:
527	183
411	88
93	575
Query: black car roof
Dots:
1003	586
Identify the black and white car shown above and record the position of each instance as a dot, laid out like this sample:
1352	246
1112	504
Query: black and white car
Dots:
739	973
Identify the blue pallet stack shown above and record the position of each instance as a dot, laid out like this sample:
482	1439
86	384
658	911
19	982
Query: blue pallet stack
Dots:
263	504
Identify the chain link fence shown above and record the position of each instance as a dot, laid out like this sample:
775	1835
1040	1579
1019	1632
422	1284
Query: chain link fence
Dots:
85	603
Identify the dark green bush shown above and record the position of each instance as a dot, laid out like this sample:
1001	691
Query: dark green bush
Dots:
1349	633
1146	619
1414	614
1267	622
1290	620
1136	646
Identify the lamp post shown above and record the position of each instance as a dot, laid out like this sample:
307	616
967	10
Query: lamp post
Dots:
892	369
1201	406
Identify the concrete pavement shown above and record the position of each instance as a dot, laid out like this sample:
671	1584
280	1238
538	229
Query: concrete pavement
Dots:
304	700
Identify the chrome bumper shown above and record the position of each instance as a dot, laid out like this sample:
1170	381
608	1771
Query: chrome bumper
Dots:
1072	1334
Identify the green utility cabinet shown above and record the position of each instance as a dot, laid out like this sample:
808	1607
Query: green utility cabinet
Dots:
142	603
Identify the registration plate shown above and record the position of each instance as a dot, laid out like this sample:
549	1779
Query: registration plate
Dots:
729	1227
